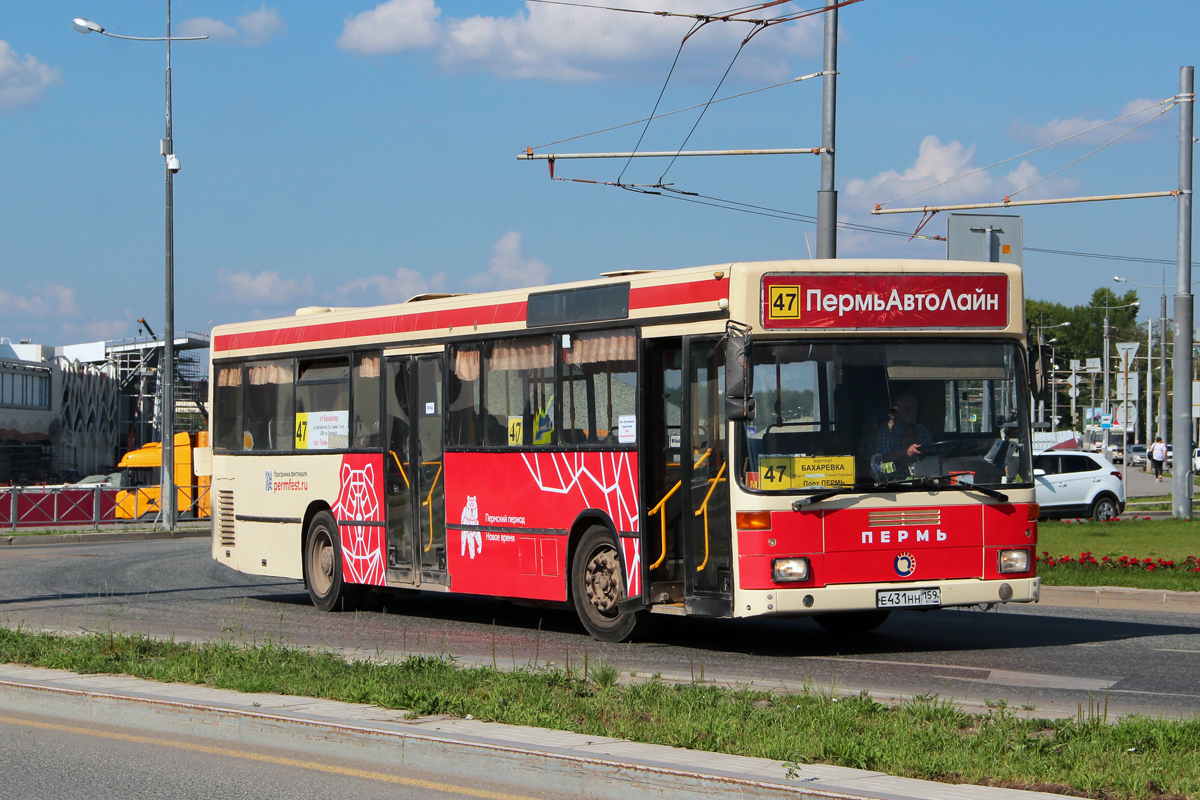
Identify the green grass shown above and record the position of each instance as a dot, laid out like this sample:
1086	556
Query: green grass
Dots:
1157	538
1168	539
1135	757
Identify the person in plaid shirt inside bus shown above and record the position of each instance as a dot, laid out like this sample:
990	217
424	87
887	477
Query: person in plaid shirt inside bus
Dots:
900	437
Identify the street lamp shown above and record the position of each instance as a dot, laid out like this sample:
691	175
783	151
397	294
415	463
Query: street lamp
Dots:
167	365
1042	328
1162	345
1107	348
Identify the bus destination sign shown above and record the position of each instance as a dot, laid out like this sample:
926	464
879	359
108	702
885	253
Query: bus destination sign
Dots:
885	301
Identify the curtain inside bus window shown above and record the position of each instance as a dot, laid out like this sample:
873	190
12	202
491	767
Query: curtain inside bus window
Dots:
323	405
267	405
227	408
366	399
835	414
465	410
519	397
599	392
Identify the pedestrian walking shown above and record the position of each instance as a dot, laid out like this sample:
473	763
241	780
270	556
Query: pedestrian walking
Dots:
1158	457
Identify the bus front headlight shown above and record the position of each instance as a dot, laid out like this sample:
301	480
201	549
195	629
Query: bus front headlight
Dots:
789	570
1014	561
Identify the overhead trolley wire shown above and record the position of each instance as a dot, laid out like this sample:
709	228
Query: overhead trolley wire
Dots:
680	110
1097	150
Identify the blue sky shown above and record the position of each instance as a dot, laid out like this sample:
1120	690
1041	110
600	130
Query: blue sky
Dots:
351	153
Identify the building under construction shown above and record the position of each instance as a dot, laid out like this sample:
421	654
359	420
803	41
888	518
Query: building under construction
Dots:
66	412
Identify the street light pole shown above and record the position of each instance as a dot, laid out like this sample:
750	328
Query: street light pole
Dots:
168	496
1181	471
167	368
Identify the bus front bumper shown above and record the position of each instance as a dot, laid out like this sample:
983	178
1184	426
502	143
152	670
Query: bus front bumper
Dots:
862	597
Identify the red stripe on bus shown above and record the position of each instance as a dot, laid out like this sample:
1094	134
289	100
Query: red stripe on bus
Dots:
377	326
639	298
678	294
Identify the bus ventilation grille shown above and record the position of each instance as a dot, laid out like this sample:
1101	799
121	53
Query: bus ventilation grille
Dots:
912	516
225	517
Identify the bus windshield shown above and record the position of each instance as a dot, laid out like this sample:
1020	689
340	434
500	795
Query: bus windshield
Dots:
862	415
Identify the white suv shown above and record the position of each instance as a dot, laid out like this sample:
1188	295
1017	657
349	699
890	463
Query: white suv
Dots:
1073	483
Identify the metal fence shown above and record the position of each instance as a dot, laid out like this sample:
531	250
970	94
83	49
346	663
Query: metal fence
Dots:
44	506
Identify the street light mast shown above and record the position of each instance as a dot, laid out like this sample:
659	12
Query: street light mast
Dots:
168	497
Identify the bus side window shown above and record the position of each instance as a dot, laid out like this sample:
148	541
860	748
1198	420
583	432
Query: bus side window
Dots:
519	393
599	386
267	405
227	408
366	387
465	409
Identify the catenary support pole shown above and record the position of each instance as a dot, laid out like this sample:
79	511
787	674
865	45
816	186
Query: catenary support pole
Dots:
1181	437
167	365
827	196
1162	369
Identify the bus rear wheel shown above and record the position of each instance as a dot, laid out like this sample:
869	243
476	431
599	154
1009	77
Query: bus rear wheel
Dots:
597	586
323	567
852	623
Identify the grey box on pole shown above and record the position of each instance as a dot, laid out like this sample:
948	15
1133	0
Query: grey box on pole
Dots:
985	237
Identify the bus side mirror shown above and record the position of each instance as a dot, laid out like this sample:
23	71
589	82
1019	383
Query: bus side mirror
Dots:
1039	372
739	389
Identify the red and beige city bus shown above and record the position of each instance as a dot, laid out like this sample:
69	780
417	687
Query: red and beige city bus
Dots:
833	439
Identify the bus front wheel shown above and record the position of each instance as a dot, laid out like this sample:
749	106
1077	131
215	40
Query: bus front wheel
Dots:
597	585
852	623
323	567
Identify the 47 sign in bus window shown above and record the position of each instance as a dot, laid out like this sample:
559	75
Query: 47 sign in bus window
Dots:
783	302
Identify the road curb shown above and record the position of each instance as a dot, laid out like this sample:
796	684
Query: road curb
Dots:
1120	597
552	762
102	537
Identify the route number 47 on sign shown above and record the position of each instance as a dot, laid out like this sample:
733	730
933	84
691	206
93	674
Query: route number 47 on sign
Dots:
784	302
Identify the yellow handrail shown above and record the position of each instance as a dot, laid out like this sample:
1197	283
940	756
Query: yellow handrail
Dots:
400	467
429	500
704	510
659	508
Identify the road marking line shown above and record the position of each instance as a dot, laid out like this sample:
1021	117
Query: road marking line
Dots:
286	762
1172	650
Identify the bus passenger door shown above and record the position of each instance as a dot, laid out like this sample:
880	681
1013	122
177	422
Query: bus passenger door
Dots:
400	475
662	477
429	461
708	557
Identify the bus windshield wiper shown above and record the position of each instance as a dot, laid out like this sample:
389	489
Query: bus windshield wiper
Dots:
817	497
948	482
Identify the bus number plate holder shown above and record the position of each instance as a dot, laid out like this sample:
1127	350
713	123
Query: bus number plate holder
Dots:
908	598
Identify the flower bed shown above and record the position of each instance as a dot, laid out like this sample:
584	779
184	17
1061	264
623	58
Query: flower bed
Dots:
1086	559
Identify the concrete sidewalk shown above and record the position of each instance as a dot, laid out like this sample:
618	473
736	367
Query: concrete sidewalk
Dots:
537	759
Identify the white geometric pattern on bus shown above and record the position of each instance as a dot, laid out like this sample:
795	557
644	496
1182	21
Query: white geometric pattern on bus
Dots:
603	480
362	545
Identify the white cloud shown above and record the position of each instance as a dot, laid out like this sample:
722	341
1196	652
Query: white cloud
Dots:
262	25
266	287
51	300
936	163
22	80
567	43
392	27
510	266
51	314
395	288
207	26
255	27
1057	129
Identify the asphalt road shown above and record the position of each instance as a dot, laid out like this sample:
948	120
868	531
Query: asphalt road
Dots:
55	759
1050	659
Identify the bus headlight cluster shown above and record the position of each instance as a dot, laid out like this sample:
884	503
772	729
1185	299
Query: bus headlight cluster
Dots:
789	570
1014	561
